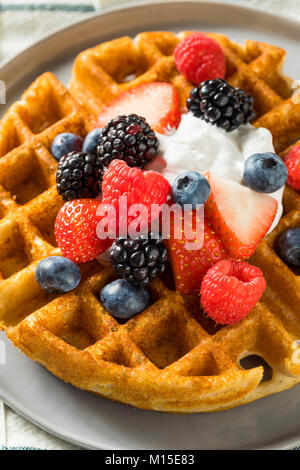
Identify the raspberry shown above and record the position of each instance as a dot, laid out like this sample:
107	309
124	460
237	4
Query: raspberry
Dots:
220	104
146	188
128	138
200	58
157	102
78	176
230	290
75	231
292	161
190	266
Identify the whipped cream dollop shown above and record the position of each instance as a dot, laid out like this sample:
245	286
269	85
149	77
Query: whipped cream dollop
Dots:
199	146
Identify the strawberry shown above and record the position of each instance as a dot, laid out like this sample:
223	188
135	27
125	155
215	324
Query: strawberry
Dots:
123	184
75	231
190	265
292	161
200	58
157	102
241	216
230	290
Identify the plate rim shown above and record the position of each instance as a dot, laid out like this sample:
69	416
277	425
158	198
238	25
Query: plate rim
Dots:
290	439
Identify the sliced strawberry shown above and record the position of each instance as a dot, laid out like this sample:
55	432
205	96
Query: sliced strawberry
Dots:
190	265
292	161
240	216
157	102
200	58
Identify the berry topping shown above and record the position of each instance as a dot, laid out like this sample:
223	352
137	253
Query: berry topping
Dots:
136	187
78	176
230	290
91	141
199	58
189	266
265	173
128	138
56	274
190	188
122	299
65	143
292	161
220	104
289	246
139	260
241	216
158	102
76	231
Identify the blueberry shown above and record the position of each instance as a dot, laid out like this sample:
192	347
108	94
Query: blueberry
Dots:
265	172
123	299
289	246
190	188
56	274
65	143
91	141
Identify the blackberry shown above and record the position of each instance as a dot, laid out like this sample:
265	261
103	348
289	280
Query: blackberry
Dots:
139	260
128	138
78	176
220	104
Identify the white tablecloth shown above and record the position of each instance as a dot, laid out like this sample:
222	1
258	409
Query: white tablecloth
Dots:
22	23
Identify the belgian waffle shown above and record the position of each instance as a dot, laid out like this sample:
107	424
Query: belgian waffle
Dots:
170	357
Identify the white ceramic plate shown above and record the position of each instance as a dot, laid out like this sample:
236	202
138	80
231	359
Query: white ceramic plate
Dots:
82	418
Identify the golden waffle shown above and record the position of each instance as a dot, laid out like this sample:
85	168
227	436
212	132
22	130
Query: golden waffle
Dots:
170	357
